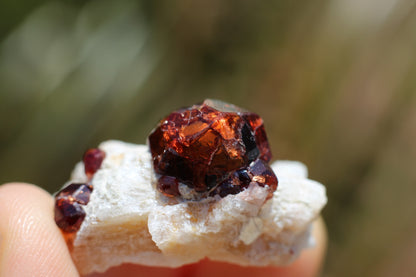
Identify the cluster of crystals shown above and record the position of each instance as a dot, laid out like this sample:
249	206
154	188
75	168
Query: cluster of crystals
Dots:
69	213
214	149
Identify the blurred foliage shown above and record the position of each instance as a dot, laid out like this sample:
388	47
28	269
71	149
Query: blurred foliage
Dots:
333	80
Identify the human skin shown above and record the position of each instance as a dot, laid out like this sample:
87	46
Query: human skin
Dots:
32	245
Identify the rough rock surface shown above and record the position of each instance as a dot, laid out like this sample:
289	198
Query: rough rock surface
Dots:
128	221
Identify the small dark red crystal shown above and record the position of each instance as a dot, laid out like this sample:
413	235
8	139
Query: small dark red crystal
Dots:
79	192
206	146
92	161
168	185
263	175
69	213
237	182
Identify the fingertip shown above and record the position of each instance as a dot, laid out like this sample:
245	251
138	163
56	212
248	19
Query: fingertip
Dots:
31	244
311	260
8	189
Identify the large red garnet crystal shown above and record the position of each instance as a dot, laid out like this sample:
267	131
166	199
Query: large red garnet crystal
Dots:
212	148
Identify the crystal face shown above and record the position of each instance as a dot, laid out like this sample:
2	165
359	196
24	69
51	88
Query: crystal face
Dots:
92	161
69	213
213	148
258	171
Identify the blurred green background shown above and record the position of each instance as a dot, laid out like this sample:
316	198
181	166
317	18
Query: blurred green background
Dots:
334	80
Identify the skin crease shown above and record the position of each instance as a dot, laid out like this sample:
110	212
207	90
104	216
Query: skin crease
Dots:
32	245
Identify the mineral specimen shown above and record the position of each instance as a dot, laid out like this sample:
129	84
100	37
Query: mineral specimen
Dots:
68	210
212	148
92	161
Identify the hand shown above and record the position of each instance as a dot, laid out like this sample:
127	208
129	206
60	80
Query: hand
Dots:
32	245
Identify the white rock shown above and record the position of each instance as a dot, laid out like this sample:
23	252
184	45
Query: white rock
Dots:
127	222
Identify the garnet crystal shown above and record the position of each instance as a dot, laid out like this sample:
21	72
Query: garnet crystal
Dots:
212	148
69	213
92	161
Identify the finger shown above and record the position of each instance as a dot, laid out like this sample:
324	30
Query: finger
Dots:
307	265
31	244
312	260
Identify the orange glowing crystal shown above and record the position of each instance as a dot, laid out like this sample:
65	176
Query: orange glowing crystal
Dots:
213	148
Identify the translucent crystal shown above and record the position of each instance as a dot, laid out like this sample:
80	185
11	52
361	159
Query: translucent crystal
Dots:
204	146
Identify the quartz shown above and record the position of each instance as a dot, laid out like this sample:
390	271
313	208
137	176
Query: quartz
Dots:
214	148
